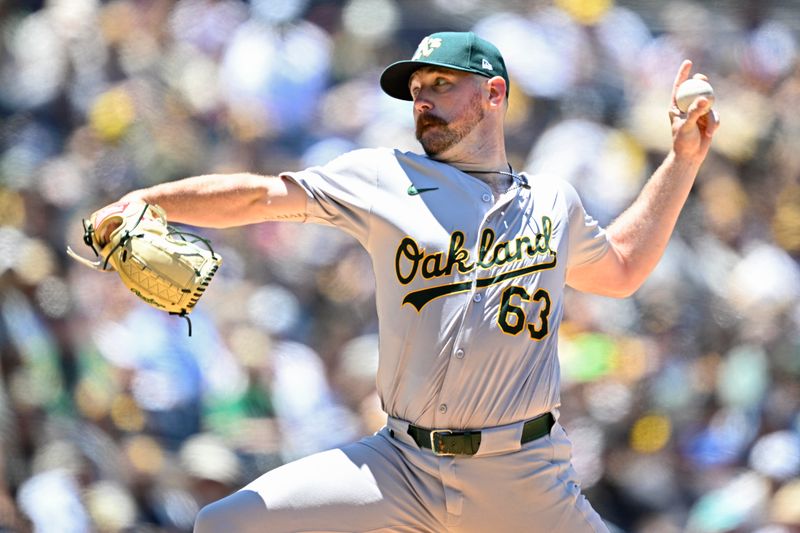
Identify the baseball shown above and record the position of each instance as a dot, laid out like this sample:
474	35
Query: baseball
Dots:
691	89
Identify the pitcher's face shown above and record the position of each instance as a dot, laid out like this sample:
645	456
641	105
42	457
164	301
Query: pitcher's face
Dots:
447	107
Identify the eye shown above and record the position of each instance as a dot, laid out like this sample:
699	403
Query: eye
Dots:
440	82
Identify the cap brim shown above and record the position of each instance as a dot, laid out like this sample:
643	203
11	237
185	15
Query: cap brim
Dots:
394	80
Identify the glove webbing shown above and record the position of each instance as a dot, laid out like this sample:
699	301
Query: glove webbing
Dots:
123	239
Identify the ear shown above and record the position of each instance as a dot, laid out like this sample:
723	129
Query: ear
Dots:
496	88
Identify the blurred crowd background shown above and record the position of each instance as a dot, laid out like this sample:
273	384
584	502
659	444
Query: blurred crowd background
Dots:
682	401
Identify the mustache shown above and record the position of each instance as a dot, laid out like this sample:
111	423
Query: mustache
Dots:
429	119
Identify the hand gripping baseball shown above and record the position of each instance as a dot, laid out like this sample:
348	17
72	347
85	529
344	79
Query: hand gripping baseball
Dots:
692	130
161	265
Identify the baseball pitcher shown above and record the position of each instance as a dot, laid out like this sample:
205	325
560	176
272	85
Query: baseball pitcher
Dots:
471	259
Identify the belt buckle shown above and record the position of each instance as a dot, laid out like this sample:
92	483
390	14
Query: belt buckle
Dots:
434	447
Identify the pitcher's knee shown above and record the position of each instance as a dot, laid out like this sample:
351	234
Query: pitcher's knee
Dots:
238	513
210	519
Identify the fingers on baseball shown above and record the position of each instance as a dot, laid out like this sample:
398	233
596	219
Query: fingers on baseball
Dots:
710	122
698	115
706	120
696	111
680	77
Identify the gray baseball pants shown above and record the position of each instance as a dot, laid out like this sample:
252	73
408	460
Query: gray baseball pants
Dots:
387	483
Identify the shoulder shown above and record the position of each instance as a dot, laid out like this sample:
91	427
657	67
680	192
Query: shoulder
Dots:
362	157
555	192
550	185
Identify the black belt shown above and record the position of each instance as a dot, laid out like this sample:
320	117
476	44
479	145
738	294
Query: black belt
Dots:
467	442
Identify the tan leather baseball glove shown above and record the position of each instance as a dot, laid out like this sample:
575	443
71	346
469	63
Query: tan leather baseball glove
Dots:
161	265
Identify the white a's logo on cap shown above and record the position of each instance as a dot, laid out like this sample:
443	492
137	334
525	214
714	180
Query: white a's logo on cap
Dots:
426	47
485	64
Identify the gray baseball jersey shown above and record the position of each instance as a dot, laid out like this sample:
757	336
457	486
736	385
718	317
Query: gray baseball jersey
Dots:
469	300
469	290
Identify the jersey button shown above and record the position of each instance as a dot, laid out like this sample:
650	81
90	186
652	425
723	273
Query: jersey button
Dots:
443	408
460	353
477	298
486	197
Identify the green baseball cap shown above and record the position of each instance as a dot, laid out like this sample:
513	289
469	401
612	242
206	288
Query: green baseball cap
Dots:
463	51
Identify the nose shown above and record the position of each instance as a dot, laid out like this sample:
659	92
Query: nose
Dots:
422	104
